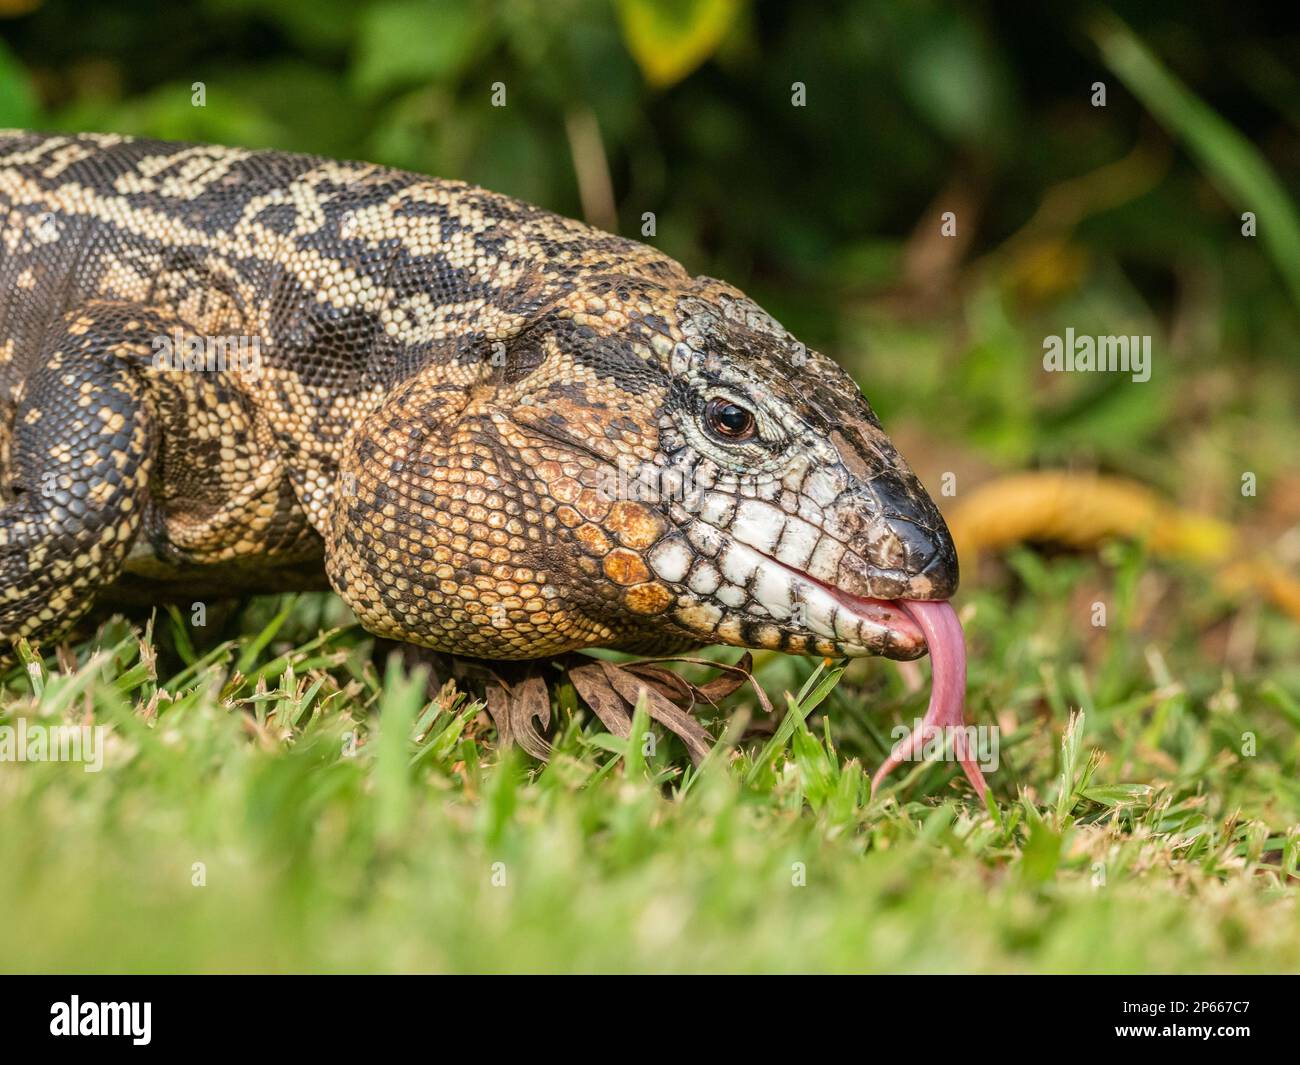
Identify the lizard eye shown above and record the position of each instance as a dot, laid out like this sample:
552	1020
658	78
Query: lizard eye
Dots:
729	420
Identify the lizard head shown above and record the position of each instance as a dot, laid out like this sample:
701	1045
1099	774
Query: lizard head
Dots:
730	485
650	463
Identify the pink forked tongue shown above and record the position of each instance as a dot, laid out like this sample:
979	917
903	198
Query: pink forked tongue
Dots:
943	635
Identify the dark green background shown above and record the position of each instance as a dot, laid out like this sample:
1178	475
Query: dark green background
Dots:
827	213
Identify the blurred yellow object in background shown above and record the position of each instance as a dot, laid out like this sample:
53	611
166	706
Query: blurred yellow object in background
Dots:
1082	510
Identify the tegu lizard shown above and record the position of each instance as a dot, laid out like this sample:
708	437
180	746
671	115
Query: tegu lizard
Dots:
496	432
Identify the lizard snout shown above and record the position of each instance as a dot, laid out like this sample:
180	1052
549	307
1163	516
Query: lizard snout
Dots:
911	562
899	546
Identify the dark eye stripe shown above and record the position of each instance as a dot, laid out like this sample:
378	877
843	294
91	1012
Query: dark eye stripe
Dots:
729	420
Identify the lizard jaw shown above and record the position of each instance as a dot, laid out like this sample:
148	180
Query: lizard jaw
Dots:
813	565
768	604
900	636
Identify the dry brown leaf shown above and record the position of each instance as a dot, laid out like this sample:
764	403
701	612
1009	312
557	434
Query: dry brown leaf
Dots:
518	694
594	689
692	733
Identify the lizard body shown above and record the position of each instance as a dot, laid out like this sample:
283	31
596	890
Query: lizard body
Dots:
495	431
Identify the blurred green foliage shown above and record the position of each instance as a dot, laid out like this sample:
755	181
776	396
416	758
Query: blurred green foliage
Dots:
1108	219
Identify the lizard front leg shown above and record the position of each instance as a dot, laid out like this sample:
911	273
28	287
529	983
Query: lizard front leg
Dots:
82	450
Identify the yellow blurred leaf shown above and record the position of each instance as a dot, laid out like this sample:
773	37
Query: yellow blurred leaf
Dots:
670	38
1081	510
1048	269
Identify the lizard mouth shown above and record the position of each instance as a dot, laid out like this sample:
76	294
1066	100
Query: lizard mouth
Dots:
837	622
883	626
742	595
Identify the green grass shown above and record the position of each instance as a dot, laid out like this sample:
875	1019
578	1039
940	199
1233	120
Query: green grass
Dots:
346	822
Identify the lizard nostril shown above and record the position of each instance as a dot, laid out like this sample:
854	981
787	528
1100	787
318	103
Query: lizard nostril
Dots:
892	551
